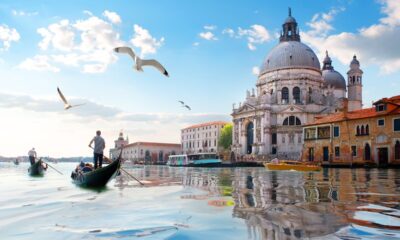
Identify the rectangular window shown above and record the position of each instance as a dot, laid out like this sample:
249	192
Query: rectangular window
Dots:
396	124
337	152
273	138
354	151
381	122
336	131
380	107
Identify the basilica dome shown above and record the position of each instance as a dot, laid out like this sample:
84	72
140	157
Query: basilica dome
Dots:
290	54
330	76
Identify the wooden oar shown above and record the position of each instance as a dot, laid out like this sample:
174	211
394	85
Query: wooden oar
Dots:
52	167
130	175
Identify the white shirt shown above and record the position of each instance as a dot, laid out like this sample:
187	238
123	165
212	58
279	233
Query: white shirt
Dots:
32	153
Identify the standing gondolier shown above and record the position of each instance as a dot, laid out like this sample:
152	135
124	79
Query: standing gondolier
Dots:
32	155
99	145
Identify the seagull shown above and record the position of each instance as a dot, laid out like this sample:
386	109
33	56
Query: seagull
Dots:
186	106
66	104
141	62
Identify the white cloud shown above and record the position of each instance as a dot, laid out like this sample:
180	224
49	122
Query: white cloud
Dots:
145	41
210	27
208	36
229	31
376	44
112	16
196	44
255	70
58	35
23	13
38	63
256	34
86	44
7	36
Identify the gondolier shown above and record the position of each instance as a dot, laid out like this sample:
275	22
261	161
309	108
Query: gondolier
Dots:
99	145
32	156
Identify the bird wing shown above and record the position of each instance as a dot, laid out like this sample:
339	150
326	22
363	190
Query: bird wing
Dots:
156	64
181	102
77	105
186	106
62	96
126	50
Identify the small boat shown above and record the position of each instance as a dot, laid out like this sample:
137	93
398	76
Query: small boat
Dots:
292	165
37	169
97	178
194	160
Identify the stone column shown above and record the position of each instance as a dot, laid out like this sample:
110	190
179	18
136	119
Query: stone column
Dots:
262	151
254	134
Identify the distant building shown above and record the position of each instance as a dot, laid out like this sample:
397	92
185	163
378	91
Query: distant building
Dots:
292	88
201	137
118	144
150	152
370	135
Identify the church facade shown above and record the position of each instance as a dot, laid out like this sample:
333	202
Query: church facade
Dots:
291	90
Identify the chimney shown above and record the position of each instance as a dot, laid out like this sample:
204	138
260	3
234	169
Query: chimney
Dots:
345	107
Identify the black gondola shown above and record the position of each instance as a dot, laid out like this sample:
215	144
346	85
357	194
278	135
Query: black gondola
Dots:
37	169
97	178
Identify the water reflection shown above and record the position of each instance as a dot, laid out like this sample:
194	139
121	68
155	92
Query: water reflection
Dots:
293	205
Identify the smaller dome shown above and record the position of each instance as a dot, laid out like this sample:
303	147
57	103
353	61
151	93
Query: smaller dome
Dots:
334	79
290	19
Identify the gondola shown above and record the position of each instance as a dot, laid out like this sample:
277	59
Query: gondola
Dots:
37	169
97	178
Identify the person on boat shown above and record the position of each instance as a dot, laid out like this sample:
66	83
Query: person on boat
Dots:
32	155
87	168
99	145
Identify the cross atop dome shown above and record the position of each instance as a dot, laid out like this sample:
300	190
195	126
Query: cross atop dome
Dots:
290	31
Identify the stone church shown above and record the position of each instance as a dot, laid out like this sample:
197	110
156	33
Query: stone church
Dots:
291	90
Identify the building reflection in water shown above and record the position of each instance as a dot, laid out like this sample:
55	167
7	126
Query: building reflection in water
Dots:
289	205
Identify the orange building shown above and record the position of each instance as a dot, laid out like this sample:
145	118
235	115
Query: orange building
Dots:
368	136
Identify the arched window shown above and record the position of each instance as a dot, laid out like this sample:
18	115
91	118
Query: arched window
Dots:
367	152
298	122
367	130
362	130
291	121
286	122
296	94
397	150
309	95
285	95
358	130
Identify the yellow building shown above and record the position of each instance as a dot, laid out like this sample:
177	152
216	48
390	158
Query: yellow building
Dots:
367	136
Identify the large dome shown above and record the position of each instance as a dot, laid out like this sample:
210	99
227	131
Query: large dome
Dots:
290	54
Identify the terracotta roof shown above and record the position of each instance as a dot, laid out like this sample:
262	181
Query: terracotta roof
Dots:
206	124
153	144
359	114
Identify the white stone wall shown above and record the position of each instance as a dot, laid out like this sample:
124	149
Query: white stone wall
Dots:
193	139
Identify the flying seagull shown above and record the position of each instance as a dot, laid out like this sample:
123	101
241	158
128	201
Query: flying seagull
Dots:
141	62
66	104
186	106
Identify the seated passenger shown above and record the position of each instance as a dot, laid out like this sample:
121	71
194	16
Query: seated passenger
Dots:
87	168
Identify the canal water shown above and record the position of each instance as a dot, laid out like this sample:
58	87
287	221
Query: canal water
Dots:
201	203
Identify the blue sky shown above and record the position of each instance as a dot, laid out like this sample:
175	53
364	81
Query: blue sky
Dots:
210	48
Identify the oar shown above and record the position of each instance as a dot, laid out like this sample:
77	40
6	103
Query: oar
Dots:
52	167
130	175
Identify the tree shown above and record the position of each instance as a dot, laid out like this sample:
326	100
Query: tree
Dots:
225	139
